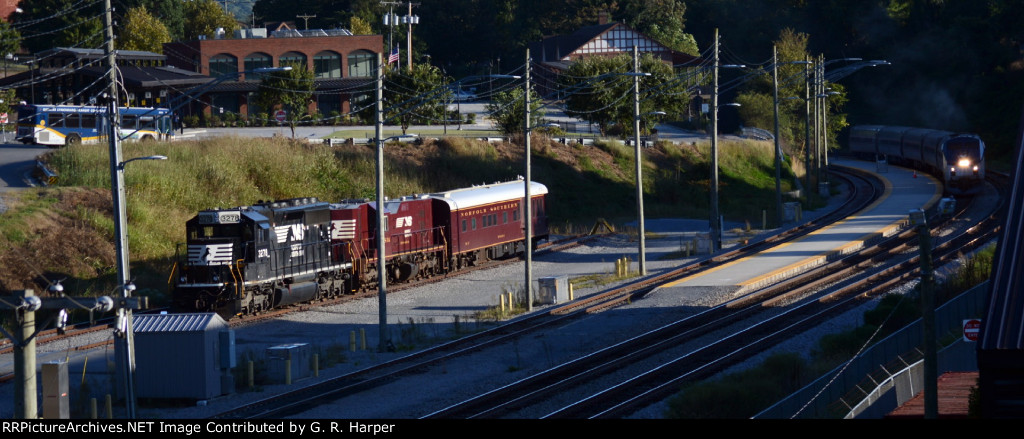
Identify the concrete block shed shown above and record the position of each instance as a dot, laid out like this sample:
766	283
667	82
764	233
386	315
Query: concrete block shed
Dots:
182	355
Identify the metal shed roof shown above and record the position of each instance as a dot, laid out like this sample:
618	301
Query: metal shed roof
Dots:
191	322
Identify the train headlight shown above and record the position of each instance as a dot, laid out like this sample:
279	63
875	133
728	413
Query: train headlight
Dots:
975	168
963	163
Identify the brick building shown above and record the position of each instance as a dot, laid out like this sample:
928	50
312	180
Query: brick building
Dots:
342	65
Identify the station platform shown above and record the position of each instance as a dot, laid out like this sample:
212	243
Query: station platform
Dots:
904	190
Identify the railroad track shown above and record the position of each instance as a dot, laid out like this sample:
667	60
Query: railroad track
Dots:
299	400
762	319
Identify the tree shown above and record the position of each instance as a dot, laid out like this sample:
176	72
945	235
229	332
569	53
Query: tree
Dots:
45	24
358	26
509	111
413	97
169	12
291	90
601	91
143	31
203	17
663	21
10	39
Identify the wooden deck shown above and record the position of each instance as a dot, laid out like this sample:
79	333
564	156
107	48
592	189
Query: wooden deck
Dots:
954	393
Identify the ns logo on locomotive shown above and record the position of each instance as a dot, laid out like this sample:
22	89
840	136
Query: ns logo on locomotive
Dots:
249	259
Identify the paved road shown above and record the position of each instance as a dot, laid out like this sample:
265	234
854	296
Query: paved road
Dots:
16	161
482	122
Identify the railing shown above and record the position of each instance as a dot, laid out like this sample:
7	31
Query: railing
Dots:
757	133
842	391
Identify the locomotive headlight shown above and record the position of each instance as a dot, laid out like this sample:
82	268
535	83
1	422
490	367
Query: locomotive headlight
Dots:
975	168
963	163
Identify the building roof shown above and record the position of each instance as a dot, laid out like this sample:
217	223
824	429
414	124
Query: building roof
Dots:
135	76
99	53
559	51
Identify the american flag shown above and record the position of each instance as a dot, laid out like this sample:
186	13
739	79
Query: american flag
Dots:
393	57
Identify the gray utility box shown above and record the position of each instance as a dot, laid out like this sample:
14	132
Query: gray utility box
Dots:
290	362
55	390
553	290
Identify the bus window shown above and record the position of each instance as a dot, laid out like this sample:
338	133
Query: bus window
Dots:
72	120
146	122
88	121
128	121
55	120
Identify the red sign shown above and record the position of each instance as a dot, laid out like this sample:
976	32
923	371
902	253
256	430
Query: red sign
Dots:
971	329
280	115
3	117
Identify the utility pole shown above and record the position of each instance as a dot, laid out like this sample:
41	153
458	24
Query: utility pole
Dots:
715	224
642	258
410	20
124	343
527	202
381	225
25	306
778	145
927	286
807	130
306	17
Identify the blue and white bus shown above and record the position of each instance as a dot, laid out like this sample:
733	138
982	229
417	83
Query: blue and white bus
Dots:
74	124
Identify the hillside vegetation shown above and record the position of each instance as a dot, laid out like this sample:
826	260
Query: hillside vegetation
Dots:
66	231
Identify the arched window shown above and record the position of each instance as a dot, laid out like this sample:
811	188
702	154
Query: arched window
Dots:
327	64
223	64
292	58
257	60
362	63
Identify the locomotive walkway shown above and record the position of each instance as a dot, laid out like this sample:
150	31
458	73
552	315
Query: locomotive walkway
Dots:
905	190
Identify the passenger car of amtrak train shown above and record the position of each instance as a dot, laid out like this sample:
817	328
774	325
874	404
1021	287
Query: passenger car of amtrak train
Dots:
248	259
957	159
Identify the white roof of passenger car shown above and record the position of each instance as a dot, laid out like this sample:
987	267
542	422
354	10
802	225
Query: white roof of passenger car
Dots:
489	194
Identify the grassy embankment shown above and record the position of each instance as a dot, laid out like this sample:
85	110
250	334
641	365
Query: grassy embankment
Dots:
66	231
